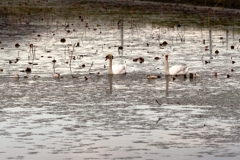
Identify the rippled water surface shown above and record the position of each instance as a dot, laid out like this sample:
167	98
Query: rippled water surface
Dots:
86	116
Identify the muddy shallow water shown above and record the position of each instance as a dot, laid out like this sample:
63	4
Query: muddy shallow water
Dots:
121	116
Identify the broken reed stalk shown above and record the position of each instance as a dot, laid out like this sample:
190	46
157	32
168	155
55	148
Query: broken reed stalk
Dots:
82	39
54	67
30	53
33	54
90	67
71	60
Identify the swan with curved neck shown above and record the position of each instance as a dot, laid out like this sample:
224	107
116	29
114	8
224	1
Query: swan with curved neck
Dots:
117	69
175	70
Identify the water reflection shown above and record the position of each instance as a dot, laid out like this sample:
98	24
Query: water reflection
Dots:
210	41
167	83
110	78
227	39
120	48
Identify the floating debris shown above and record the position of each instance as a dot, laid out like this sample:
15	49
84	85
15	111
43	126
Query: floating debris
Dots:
28	70
141	60
216	51
191	75
164	43
16	76
194	75
135	60
158	102
153	77
56	75
156	58
120	47
16	60
63	40
159	119
17	45
54	61
206	62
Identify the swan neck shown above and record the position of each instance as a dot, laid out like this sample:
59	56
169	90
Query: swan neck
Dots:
110	66
167	68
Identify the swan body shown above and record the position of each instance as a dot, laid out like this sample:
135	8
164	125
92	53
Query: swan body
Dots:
175	70
116	69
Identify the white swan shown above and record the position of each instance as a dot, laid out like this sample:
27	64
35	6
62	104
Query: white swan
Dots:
175	70
117	69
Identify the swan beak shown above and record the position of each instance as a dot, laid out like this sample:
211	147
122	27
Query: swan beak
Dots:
106	58
166	57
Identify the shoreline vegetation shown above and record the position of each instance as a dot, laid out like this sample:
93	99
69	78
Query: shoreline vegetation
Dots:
84	11
233	4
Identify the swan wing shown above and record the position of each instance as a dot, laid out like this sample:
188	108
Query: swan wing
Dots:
178	70
119	69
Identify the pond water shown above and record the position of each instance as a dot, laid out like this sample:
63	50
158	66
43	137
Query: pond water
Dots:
121	116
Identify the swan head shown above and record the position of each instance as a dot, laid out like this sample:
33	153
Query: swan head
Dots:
166	56
109	56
